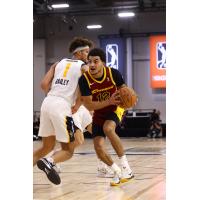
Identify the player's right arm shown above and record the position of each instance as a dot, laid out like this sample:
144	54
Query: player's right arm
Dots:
96	105
46	81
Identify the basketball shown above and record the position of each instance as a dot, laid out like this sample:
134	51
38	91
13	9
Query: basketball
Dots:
128	97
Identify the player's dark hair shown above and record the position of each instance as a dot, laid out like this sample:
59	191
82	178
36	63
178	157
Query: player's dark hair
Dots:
98	52
79	42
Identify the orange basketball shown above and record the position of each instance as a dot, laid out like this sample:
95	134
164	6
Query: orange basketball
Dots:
128	97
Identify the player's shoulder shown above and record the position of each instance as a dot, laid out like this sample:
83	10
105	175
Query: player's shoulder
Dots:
115	71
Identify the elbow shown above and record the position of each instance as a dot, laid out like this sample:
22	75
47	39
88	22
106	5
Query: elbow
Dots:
44	86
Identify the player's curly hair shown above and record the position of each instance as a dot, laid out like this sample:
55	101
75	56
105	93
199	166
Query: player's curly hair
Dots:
79	42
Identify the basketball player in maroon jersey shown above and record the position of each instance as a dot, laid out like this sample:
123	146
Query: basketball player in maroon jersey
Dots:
98	88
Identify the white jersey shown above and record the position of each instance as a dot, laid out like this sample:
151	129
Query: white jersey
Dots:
65	81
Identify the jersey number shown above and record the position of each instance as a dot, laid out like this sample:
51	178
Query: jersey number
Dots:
66	69
103	96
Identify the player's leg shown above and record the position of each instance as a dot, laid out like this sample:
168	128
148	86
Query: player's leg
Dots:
46	131
48	144
99	146
64	129
101	151
58	166
65	153
82	119
43	163
103	169
79	138
65	135
109	130
48	165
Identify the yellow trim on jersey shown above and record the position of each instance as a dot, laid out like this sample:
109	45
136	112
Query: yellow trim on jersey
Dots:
119	112
66	69
111	76
67	133
87	79
104	76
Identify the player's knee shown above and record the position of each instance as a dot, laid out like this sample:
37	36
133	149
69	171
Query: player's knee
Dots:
108	130
98	147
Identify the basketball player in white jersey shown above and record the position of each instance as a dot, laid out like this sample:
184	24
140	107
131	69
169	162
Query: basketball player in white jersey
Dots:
56	123
82	119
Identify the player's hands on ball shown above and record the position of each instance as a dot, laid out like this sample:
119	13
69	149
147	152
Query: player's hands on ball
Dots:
115	99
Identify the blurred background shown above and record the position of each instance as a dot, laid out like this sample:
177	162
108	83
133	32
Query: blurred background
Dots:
137	36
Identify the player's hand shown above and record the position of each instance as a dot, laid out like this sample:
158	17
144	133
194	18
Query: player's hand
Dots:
115	99
75	108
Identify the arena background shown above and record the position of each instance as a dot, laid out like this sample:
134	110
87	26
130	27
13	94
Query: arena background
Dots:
53	29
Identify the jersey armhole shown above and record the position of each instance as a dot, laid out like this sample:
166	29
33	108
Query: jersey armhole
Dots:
87	80
111	76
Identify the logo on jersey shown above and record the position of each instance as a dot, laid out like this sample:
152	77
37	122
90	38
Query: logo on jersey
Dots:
112	55
161	55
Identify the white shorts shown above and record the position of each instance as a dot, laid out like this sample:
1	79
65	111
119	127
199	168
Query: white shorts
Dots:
82	118
54	119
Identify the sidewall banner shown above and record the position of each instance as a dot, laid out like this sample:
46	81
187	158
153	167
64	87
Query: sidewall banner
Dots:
115	48
158	61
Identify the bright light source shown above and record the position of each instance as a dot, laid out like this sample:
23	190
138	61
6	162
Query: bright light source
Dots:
94	26
60	5
126	14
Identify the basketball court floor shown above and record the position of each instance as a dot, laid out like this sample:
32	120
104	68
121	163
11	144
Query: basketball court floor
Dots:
79	179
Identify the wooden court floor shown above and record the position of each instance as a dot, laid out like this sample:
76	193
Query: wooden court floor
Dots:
79	174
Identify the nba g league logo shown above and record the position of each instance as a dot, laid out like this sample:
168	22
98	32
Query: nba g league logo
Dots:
112	55
161	55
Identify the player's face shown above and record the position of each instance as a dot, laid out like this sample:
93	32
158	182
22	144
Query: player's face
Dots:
95	66
84	54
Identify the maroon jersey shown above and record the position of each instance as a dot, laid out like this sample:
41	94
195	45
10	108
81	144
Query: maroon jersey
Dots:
102	90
